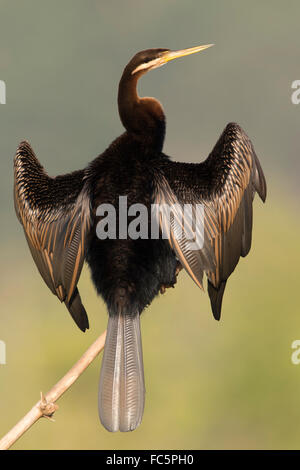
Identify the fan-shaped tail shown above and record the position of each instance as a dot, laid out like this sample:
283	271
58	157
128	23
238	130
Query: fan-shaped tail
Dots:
122	388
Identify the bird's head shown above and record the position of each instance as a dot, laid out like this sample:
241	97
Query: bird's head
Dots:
151	59
144	117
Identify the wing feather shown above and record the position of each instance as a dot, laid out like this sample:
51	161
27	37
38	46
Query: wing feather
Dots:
55	215
224	185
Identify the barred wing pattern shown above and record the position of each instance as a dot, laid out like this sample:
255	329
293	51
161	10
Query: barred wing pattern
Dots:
225	184
178	224
55	214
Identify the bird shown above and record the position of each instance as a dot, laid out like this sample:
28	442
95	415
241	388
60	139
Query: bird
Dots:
62	216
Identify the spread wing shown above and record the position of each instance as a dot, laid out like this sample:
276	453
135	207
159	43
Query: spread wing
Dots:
222	188
55	214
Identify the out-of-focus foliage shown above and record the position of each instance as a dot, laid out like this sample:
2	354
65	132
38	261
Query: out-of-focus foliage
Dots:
209	385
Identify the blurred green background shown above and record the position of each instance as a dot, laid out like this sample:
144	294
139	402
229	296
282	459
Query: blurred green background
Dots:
210	385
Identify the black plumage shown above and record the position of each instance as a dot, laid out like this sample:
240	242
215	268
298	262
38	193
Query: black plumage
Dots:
60	217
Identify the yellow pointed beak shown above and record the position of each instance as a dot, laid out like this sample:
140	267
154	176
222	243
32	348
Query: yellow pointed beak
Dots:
171	55
167	56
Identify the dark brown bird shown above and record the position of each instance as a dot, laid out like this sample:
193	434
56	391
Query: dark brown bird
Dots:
62	220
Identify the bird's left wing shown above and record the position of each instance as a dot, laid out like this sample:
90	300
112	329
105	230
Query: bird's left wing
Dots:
209	225
55	214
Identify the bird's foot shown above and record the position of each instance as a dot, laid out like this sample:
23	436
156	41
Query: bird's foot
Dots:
178	268
164	287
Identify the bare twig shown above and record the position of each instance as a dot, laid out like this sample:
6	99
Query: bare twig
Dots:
46	407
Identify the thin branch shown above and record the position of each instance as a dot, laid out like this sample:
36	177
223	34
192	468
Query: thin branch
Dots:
46	406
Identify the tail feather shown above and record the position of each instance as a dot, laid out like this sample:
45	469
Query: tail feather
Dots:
122	388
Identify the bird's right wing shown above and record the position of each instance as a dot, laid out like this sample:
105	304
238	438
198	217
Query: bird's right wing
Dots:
55	214
223	187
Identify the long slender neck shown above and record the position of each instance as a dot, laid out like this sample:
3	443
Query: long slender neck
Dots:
142	117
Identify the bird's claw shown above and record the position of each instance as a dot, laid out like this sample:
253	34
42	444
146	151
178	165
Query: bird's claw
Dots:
178	268
164	287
